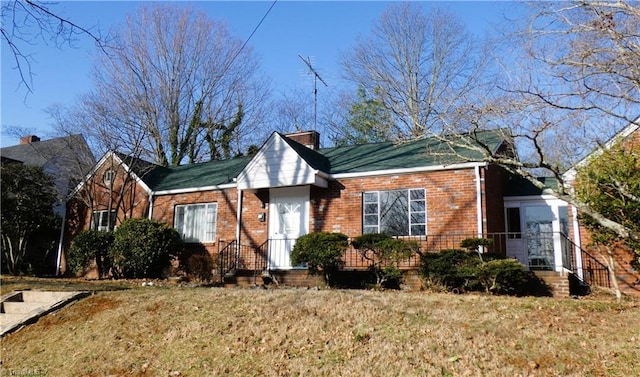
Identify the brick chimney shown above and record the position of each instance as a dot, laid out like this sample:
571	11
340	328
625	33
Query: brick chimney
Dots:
310	139
29	139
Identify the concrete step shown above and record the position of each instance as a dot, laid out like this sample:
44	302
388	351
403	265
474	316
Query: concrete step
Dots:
43	296
21	307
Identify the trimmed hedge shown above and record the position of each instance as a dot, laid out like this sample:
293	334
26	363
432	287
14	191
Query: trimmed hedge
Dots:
144	248
460	271
321	251
385	253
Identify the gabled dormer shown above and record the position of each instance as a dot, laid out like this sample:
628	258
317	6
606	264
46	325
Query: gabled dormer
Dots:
282	162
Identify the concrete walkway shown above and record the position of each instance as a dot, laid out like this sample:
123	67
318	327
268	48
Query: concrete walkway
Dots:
20	308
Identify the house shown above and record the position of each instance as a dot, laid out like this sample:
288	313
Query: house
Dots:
67	159
247	212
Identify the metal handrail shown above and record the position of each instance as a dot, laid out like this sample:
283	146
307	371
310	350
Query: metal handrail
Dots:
594	272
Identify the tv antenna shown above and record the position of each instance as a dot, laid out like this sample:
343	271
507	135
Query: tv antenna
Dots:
316	77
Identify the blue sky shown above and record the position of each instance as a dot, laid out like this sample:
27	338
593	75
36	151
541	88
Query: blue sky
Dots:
321	30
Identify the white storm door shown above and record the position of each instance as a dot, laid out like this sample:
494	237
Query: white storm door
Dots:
538	224
288	220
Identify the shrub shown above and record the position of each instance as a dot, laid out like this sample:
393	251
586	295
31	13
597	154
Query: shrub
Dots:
385	253
90	245
321	251
453	269
503	276
460	270
143	248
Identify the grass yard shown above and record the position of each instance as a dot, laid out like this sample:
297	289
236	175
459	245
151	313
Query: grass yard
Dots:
180	331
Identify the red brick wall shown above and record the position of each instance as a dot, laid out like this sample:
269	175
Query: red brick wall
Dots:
451	201
451	206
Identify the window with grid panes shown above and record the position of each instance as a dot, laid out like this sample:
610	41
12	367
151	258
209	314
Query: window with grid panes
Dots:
395	212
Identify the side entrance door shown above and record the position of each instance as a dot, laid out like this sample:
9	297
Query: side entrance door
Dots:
288	220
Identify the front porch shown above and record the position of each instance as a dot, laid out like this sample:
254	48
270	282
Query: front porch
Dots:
547	254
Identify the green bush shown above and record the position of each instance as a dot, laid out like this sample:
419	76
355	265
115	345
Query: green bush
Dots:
453	269
87	246
321	251
459	271
503	276
143	248
384	253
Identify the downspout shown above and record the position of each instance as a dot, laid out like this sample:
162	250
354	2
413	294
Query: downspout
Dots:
577	241
64	220
150	205
479	201
238	222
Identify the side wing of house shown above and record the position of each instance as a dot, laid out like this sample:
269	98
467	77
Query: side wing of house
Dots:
625	260
110	193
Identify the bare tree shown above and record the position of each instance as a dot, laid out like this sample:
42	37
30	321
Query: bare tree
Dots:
420	66
27	22
179	79
574	86
293	112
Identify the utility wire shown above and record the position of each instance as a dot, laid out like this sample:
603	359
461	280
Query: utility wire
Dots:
251	35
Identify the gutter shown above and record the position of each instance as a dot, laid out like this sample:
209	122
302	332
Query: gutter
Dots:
465	165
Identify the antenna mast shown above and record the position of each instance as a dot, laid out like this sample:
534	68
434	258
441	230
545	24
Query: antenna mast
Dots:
316	77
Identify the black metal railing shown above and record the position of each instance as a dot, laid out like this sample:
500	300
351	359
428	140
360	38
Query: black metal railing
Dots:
593	271
227	258
272	254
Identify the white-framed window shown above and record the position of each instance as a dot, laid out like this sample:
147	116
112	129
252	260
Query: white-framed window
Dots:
108	177
100	220
196	222
395	212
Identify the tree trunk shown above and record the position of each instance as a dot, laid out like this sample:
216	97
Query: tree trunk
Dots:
612	272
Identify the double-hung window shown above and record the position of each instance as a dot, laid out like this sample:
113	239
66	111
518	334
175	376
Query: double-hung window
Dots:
395	212
196	222
100	220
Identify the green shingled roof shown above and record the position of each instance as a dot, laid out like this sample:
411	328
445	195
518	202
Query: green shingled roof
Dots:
419	153
522	187
212	173
336	160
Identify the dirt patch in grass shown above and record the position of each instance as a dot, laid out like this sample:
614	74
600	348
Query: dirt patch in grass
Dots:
177	331
14	283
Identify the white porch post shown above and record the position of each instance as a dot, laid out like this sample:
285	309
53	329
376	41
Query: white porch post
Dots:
238	223
576	240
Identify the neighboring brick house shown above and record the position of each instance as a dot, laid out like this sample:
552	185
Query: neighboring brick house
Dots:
247	212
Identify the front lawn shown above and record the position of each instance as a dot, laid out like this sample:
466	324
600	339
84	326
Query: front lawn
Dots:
180	331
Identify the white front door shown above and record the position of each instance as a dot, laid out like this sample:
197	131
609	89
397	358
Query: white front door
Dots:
288	220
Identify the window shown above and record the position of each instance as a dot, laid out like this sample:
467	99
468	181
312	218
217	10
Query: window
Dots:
108	177
514	229
100	220
196	222
395	212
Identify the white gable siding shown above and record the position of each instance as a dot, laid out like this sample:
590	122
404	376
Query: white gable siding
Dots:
278	165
